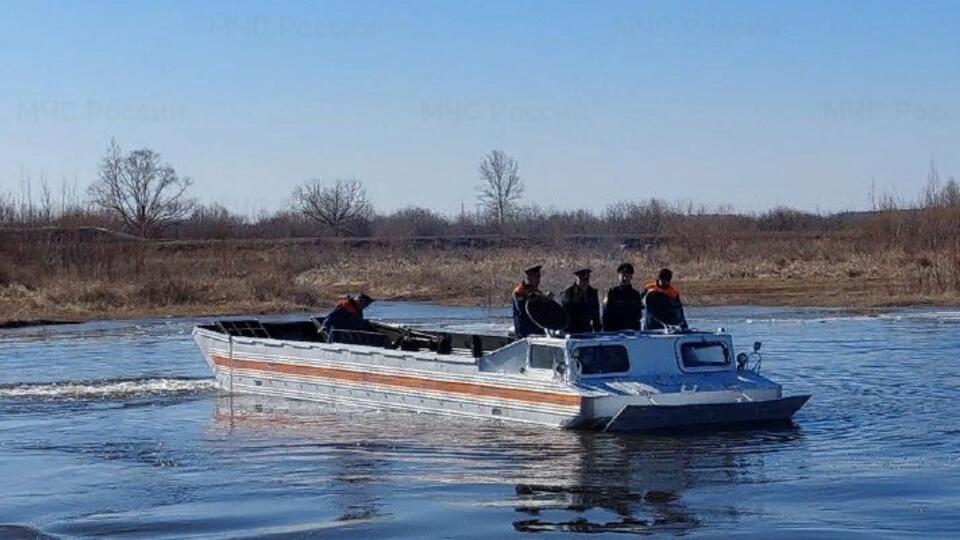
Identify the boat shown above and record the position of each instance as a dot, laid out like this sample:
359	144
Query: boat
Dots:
633	381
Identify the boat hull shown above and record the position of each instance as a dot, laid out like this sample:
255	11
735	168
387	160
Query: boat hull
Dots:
250	367
661	417
418	382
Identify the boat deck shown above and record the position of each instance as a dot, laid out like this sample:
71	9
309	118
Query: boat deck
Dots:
379	335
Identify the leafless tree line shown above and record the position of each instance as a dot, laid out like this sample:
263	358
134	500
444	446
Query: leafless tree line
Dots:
148	198
137	192
648	218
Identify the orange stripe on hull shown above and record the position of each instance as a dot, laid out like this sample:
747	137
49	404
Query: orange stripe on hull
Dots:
401	381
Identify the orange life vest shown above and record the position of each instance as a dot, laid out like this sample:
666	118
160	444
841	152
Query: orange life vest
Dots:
347	304
524	289
668	291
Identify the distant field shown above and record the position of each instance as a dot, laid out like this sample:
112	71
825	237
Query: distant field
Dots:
95	275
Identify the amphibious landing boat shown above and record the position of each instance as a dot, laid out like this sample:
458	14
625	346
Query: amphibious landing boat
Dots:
633	381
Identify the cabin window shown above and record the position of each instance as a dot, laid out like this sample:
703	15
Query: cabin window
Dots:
543	357
704	354
603	360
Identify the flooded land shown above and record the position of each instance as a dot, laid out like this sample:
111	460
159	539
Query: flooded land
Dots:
115	429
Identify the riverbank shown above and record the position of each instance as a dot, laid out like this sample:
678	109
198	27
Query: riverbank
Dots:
132	280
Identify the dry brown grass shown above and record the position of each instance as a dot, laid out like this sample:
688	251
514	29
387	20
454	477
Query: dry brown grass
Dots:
82	280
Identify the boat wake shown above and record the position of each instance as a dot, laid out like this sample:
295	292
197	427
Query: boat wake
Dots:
934	316
108	389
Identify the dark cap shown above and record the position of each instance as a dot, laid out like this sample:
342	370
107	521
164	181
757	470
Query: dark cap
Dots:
533	270
625	268
582	272
665	275
365	299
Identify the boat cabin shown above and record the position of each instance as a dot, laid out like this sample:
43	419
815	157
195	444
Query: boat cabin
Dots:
616	355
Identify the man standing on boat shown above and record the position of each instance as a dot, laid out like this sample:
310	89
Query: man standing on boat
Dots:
623	305
662	300
347	315
582	304
523	326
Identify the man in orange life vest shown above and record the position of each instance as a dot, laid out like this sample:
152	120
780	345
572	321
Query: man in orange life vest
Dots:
662	303
347	315
528	288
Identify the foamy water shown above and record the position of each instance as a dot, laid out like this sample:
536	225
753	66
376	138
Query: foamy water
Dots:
108	389
114	429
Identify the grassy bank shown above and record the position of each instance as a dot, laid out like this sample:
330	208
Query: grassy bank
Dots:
92	278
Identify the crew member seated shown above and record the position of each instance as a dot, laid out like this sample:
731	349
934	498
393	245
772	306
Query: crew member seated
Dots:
582	304
523	326
662	302
623	305
347	315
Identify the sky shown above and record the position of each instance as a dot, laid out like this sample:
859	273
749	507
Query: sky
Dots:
744	104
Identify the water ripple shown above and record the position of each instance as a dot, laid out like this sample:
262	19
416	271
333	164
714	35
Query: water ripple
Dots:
115	429
108	389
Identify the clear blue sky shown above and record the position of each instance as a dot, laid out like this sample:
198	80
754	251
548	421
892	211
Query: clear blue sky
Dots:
751	104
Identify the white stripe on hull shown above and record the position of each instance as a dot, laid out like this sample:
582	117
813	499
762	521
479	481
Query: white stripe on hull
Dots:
378	396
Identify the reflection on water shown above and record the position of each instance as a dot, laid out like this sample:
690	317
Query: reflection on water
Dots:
113	429
645	497
560	480
615	473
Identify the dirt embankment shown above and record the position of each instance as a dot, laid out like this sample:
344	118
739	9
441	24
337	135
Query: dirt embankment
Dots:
90	279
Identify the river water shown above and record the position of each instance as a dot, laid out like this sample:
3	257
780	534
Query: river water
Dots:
113	429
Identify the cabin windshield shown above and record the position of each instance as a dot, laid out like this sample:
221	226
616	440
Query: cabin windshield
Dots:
545	357
704	355
603	359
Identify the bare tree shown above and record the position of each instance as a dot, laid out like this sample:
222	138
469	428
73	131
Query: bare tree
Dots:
500	188
46	201
145	194
339	205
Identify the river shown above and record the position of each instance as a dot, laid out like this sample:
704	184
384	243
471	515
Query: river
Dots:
114	429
